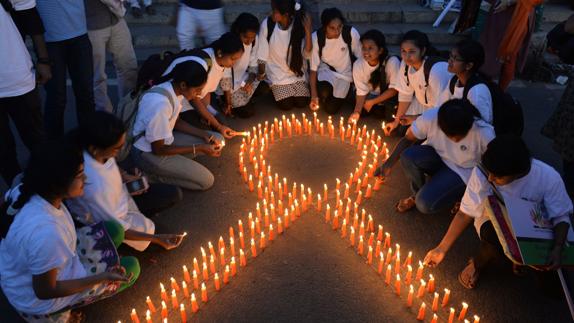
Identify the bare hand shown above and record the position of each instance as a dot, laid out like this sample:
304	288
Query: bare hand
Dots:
210	139
407	120
368	105
169	241
227	132
211	150
555	259
227	109
43	73
354	118
314	104
434	257
390	127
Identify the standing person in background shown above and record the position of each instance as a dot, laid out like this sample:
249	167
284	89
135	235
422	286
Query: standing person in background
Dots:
19	96
335	46
203	15
376	76
137	10
70	51
109	32
285	42
240	82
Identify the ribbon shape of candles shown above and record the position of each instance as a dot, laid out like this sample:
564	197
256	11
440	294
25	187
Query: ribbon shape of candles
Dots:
280	205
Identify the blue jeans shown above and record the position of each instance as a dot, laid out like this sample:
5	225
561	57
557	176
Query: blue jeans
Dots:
73	57
442	190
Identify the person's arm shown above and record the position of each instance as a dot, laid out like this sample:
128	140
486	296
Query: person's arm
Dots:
389	93
46	285
402	108
308	25
183	126
314	93
159	148
457	226
202	110
167	241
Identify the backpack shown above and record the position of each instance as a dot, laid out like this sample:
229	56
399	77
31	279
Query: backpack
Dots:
151	71
127	110
430	61
347	37
507	115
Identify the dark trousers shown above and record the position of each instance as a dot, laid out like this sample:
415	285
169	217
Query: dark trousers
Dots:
327	101
26	113
158	197
73	56
294	101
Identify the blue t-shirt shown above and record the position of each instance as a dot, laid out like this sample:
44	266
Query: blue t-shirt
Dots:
63	19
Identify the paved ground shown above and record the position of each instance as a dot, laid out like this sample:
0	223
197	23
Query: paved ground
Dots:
310	274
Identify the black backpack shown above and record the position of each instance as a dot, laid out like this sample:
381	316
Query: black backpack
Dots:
347	38
507	115
430	61
151	71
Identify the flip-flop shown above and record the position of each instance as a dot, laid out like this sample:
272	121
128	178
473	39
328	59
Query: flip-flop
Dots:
405	205
469	283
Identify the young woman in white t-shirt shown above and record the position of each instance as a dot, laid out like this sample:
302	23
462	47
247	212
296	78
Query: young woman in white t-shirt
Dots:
509	168
46	268
240	82
165	145
455	138
465	59
105	195
332	65
282	53
375	76
224	53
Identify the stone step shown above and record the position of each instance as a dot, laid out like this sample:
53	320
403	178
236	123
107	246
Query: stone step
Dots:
308	3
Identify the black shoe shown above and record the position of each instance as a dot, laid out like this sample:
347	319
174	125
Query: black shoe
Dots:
150	10
244	112
137	12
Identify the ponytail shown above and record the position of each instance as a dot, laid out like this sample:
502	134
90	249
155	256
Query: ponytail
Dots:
296	11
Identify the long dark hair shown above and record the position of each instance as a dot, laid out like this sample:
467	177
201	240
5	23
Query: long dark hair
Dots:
245	22
331	14
297	33
101	130
378	76
471	51
421	41
50	171
228	44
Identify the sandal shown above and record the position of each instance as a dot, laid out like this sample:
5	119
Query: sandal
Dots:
405	205
468	277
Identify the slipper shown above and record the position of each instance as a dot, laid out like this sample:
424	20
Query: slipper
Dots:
471	280
405	205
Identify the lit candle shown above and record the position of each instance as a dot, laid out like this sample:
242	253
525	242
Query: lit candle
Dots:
389	255
419	271
445	297
204	293
319	202
463	311
251	187
421	315
387	240
226	275
183	315
279	226
409	275
347	188
435	302
233	266
476	319
361	247
216	282
258	225
262	241
370	256
221	243
378	248
242	260
212	264
252	229
410	296
422	289
195	265
378	183
409	259
195	280
286	219
352	237
253	248
163	292
174	299
241	240
134	316
388	275
365	181
358	188
431	286
150	304
185	289
398	263
240	225
451	315
271	232
328	213
359	197
205	272
362	228
232	245
148	317
369	191
381	263
344	229
434	318
398	285
194	305
163	310
186	274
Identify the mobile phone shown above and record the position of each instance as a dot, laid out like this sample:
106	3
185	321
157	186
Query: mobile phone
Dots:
140	184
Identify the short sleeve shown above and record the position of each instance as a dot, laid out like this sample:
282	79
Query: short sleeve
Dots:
356	43
479	96
158	125
315	59
263	48
40	261
422	125
405	91
361	81
556	199
474	195
254	52
392	72
439	79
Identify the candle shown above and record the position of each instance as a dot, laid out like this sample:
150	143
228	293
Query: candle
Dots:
163	292
463	311
286	219
194	305
358	188
378	183
174	298
258	225
150	304
212	264
388	275
434	318
422	289
195	280
362	228
226	275
347	188
387	240
134	316
203	293
370	256
381	263
451	315
352	237
344	229
359	197
232	245
271	232
431	286
216	282
241	240
195	265
419	271
445	297
319	202
148	317
186	274
182	311
163	310
233	266
435	302
421	315
252	229
409	275
205	272
369	193
253	248
361	247
378	248
409	259
365	181
398	285
262	241
410	296
328	213
476	319
389	255
251	187
336	221
398	263
279	225
242	260
240	225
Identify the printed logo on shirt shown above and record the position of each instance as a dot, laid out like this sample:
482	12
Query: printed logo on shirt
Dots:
463	148
343	49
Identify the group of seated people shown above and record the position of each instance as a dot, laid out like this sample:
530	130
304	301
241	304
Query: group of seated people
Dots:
72	208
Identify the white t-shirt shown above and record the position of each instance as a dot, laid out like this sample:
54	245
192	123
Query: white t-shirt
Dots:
461	157
214	76
16	75
336	54
241	67
479	96
362	74
40	239
542	185
156	117
439	78
106	198
275	54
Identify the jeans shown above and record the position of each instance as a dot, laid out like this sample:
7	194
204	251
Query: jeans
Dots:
117	41
443	189
327	101
73	56
26	113
190	21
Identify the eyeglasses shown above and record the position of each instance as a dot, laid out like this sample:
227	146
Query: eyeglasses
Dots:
455	58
